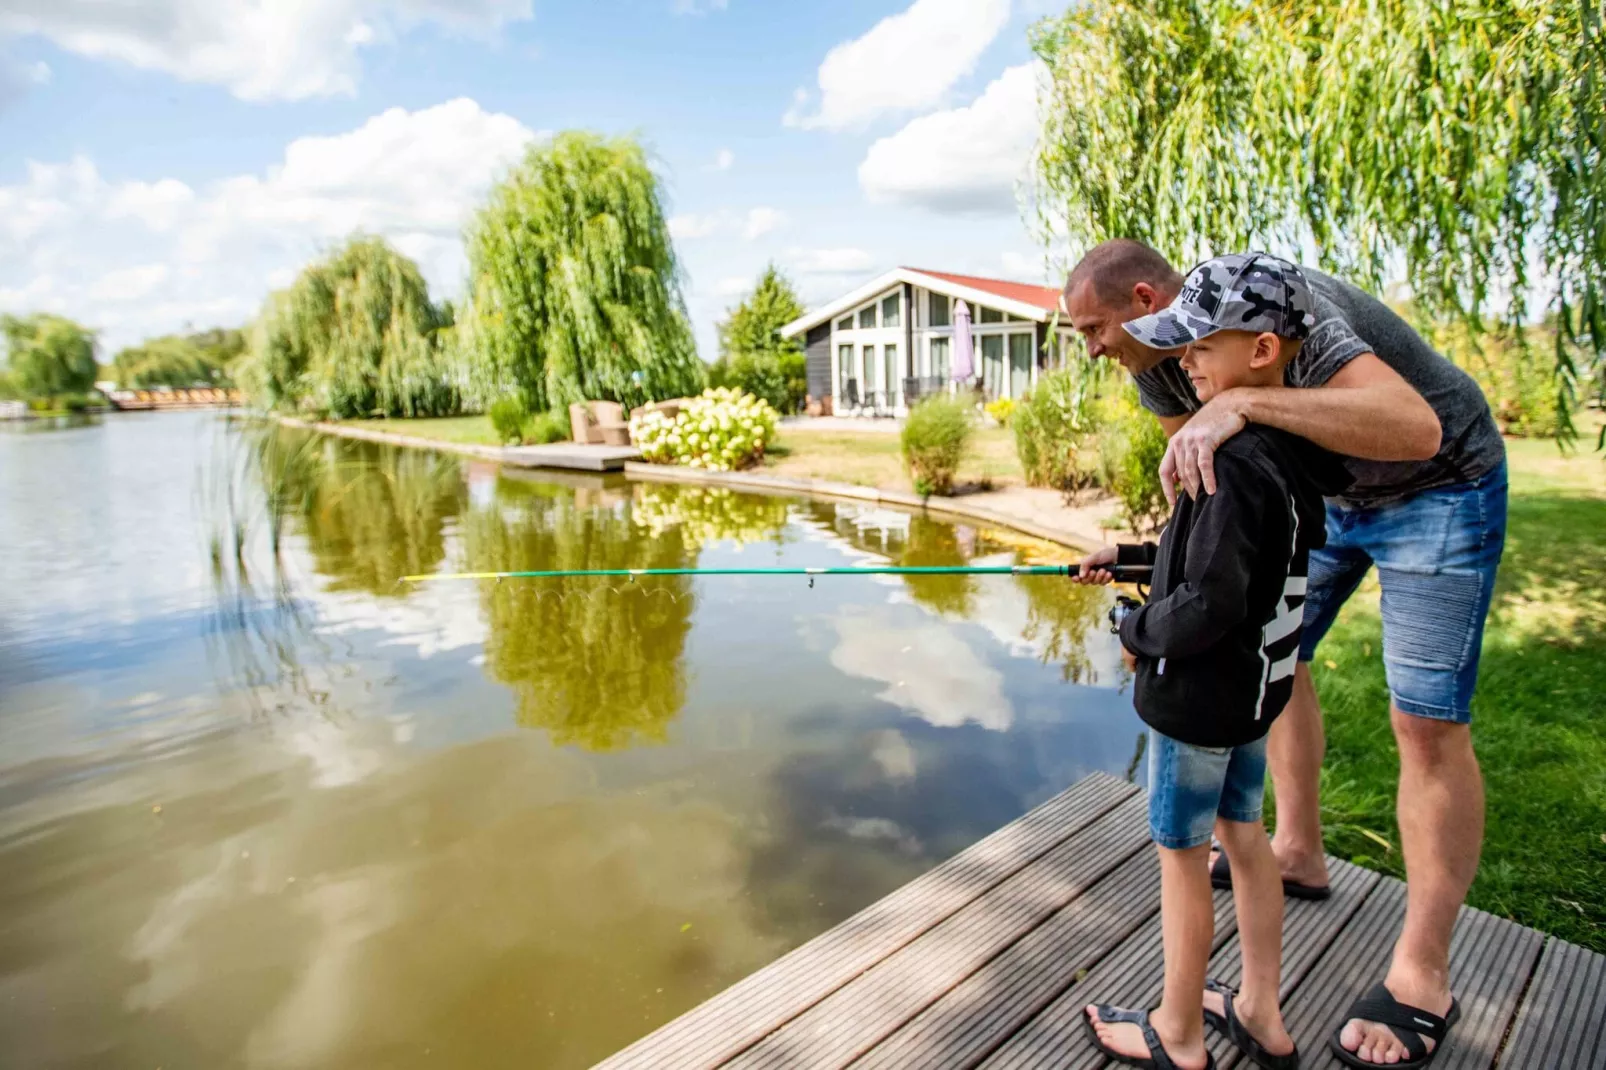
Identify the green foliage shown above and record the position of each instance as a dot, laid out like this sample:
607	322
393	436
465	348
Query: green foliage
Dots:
1053	425
934	439
507	417
1516	375
545	427
753	357
354	335
1463	139
722	430
574	288
48	356
1131	446
778	378
179	360
701	515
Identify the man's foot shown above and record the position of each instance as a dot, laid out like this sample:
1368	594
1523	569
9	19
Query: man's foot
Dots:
1265	1026
1308	871
1124	1039
1375	1044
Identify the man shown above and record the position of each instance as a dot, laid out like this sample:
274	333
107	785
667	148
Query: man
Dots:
1427	506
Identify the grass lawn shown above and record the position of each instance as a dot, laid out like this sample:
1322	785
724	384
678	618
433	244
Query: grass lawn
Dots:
472	430
872	459
1539	717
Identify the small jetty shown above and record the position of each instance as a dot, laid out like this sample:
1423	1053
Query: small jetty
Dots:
988	959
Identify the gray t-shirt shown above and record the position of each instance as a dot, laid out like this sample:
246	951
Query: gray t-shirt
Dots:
1350	322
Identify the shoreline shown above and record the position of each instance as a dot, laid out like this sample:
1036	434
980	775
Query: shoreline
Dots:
1027	511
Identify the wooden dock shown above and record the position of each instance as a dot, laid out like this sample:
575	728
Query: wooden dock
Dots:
988	959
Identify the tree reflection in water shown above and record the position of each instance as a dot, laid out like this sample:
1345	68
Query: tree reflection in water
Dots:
596	663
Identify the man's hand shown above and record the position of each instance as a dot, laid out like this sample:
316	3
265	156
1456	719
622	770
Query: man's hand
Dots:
1129	659
1092	570
1190	456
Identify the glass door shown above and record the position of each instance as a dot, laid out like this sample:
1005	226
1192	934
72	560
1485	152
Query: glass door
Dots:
1020	364
894	376
871	387
992	365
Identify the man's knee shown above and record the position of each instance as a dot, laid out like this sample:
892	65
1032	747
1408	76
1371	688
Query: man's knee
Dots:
1427	741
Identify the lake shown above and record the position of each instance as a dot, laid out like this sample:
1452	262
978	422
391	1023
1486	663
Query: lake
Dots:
263	805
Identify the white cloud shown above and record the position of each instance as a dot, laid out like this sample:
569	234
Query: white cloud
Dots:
17	78
760	221
1023	267
724	159
698	7
137	258
829	261
258	50
906	62
963	160
691	226
733	286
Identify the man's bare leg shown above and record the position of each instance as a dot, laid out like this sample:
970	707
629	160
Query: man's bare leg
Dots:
1295	748
1441	836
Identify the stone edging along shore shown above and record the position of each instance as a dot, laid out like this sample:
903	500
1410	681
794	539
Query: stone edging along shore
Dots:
1080	534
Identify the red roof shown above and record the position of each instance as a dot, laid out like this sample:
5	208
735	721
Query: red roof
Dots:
1046	298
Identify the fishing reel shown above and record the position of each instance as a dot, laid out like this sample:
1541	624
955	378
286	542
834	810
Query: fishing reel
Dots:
1123	608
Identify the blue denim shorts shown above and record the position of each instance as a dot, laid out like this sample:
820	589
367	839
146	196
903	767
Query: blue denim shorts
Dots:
1436	554
1189	787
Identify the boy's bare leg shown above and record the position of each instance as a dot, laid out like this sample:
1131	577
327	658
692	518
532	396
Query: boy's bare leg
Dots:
1187	924
1295	748
1257	890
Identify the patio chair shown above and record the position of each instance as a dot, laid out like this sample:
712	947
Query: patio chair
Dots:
850	395
598	423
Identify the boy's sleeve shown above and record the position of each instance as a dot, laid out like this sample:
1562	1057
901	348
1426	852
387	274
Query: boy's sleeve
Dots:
1230	527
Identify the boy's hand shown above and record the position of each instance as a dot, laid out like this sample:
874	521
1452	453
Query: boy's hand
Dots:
1129	659
1091	570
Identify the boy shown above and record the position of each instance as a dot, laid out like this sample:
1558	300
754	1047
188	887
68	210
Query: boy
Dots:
1214	652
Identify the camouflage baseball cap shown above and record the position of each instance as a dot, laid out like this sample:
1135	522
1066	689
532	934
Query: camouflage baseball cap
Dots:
1238	292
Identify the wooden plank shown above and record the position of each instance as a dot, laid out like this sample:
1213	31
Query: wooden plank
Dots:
745	1013
852	1020
971	1021
1490	961
1562	1023
1133	976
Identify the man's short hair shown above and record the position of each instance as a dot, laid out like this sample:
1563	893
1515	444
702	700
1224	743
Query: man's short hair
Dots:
1117	265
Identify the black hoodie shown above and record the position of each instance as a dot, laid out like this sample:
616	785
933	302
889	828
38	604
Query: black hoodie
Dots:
1217	642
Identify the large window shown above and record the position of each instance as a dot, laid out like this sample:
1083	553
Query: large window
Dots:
845	323
992	365
870	369
867	318
1020	364
889	312
894	374
940	364
844	369
938	307
989	315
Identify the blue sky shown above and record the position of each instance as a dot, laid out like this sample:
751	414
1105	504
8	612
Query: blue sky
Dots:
167	163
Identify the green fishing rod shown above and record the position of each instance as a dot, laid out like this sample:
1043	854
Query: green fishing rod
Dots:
1138	574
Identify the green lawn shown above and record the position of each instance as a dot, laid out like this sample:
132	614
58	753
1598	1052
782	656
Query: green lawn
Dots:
472	430
1539	718
874	458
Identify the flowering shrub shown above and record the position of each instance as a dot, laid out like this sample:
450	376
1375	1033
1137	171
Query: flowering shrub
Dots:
704	515
1001	409
722	430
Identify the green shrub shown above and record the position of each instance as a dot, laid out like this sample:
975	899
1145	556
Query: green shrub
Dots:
934	440
722	430
780	379
1518	380
544	427
1131	447
508	416
1053	426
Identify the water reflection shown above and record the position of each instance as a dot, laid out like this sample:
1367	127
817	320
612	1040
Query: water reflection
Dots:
595	662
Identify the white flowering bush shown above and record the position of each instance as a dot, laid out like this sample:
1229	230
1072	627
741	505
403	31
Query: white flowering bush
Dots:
722	430
704	515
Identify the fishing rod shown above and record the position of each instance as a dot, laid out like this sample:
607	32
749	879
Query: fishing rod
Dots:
1137	574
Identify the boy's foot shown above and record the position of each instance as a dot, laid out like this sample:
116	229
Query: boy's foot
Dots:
1258	1034
1130	1037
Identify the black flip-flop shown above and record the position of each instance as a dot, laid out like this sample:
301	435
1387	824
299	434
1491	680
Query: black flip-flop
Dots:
1221	877
1230	1027
1159	1058
1409	1024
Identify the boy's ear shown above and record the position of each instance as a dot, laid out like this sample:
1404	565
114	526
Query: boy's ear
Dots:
1268	348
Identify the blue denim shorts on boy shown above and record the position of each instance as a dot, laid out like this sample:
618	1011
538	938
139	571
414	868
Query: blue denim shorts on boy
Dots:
1436	555
1189	787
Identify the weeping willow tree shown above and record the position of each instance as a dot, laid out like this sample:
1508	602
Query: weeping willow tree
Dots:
574	287
354	335
1460	141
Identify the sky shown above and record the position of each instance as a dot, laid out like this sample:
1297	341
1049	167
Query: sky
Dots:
165	164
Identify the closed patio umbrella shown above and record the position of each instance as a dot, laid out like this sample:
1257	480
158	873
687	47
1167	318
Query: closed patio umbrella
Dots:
964	357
